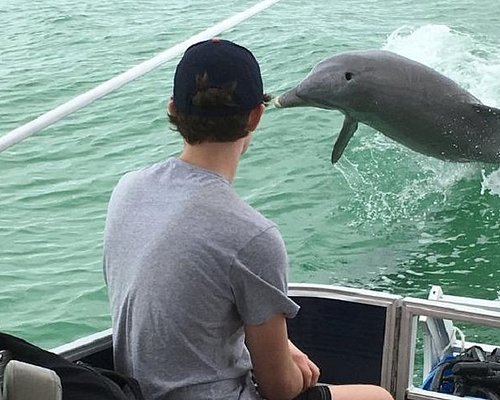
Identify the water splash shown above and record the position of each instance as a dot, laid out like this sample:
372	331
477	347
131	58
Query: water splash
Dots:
382	197
491	182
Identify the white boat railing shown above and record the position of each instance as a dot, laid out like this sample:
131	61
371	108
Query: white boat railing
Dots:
83	100
319	334
411	311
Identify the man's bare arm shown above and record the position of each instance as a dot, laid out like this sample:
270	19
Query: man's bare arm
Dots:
281	370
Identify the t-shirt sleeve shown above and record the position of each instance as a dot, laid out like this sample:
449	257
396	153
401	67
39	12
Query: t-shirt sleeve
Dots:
259	279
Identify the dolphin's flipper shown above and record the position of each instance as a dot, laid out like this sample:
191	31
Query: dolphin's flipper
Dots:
348	129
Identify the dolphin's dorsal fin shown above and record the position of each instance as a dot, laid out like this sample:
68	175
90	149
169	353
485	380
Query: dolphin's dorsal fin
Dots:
349	127
487	110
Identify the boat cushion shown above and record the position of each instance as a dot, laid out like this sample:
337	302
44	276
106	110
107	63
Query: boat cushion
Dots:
24	381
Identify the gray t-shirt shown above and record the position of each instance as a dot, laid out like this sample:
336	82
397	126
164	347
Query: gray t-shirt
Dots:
187	262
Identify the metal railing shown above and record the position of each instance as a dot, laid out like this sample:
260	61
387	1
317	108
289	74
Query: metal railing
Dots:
402	319
83	100
411	310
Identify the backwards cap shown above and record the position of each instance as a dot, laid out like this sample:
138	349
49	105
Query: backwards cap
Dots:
225	63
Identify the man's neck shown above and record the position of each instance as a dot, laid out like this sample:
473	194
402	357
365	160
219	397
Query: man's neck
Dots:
221	158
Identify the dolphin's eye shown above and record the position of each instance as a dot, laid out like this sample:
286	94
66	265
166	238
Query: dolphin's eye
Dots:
348	76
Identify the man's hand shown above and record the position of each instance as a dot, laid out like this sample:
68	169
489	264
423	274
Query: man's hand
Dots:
281	370
310	371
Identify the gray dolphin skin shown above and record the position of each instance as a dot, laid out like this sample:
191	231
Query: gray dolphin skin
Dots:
403	99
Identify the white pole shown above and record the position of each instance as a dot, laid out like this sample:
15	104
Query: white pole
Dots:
118	81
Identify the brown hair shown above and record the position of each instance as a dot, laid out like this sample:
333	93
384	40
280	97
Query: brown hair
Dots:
196	129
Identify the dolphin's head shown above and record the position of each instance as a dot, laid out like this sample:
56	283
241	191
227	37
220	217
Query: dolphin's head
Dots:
332	84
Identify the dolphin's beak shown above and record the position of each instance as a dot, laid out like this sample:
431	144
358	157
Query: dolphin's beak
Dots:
289	99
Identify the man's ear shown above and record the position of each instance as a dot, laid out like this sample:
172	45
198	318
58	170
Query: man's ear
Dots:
171	109
254	117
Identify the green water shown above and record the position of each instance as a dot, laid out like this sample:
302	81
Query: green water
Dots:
383	218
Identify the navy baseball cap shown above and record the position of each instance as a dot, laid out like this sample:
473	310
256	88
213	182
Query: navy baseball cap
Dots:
226	64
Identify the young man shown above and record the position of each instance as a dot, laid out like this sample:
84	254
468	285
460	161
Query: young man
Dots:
197	278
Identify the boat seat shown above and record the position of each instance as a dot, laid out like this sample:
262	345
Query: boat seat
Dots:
351	334
24	381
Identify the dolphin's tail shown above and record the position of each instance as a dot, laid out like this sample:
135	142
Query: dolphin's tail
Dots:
289	99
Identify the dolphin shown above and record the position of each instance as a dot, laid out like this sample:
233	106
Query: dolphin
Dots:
403	99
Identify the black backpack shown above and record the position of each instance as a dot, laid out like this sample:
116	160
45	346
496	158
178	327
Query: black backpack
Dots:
473	372
79	381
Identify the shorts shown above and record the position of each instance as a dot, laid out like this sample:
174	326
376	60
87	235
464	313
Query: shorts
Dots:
318	392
